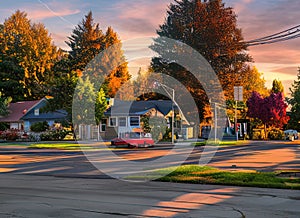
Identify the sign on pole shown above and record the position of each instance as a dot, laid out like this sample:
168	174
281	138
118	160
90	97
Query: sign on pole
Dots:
238	93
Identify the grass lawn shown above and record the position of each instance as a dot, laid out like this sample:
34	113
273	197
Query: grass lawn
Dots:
220	143
60	145
14	144
209	175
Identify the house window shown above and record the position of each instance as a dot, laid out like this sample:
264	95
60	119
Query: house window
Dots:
122	121
112	121
103	125
36	112
134	121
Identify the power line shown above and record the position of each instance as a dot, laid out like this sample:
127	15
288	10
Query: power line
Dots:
289	34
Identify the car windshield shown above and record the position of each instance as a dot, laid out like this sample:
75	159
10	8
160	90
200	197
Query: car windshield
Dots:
135	135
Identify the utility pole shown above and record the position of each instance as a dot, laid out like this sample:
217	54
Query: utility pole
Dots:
238	96
172	96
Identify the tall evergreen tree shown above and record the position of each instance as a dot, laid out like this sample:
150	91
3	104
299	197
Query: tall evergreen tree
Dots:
83	64
294	101
85	42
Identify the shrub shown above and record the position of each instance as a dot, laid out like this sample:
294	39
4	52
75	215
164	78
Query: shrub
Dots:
10	135
54	135
258	134
39	127
276	134
4	126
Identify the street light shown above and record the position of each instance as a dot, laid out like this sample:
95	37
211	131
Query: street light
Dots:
216	106
172	96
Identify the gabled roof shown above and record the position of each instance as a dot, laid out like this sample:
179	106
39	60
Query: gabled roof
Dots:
131	108
53	115
25	111
18	110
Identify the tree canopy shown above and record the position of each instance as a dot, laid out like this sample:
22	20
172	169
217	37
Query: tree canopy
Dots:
277	86
271	110
211	29
81	62
27	56
4	102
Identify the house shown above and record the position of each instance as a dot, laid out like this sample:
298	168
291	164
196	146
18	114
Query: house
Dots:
23	114
126	116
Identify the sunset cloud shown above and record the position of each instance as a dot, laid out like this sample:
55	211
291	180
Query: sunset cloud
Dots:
140	18
45	13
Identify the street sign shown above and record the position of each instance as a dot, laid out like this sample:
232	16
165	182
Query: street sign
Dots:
238	93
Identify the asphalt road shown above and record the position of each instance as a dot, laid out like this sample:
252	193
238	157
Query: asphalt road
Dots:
47	196
261	156
55	183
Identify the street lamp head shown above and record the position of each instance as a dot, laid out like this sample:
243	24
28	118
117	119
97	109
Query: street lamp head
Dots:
156	85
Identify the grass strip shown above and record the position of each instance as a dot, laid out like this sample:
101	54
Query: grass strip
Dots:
209	175
63	146
218	143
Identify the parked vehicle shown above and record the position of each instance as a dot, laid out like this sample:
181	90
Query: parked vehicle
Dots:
291	134
133	139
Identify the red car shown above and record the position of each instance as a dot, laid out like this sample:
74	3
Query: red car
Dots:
133	139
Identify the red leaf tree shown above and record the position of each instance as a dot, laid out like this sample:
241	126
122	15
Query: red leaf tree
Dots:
270	110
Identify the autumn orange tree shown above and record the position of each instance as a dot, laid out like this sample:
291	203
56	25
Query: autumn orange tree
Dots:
27	57
210	28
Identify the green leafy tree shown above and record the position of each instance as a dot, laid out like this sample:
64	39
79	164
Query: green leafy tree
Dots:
4	102
210	28
28	55
100	106
86	95
11	76
294	102
62	91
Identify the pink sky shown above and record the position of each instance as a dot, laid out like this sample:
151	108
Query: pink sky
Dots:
140	18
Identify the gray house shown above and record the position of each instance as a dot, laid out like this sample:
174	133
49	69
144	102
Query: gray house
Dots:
126	116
